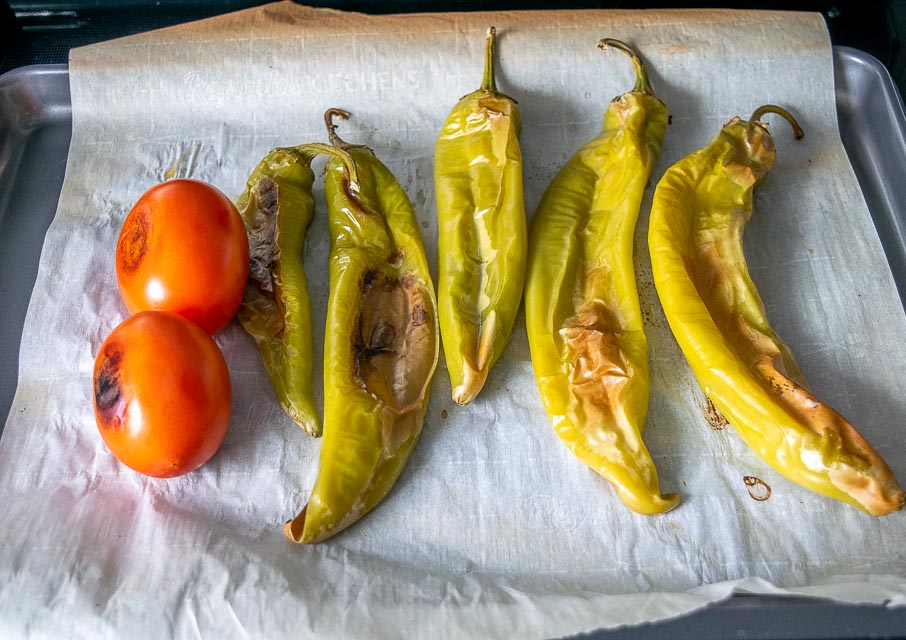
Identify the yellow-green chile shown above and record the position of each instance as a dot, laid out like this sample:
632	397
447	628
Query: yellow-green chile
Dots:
700	210
277	207
380	349
584	323
481	244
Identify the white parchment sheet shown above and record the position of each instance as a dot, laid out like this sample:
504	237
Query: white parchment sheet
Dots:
494	529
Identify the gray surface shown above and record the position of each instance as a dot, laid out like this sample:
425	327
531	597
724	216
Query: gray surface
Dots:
771	618
35	129
873	128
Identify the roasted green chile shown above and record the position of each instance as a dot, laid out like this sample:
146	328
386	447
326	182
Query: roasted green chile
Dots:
277	207
481	244
700	210
381	344
582	312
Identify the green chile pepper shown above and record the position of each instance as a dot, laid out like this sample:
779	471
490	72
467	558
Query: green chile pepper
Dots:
381	345
700	210
277	207
481	244
582	312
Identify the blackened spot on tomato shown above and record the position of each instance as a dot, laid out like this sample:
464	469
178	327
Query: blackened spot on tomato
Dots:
108	394
133	242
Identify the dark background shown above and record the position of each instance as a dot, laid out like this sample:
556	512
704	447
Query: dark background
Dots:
43	32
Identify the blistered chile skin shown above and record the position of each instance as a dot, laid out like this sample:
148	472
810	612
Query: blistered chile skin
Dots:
380	349
700	210
583	318
277	207
481	244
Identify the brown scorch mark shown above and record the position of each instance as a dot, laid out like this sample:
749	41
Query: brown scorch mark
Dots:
108	394
758	489
714	417
599	368
393	338
393	349
133	241
264	251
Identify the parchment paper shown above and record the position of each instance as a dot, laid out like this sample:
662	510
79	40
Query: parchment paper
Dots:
494	529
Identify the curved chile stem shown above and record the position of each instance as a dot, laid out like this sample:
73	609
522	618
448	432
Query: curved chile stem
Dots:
488	83
308	152
780	111
642	83
335	140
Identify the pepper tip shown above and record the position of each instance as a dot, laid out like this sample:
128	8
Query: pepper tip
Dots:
294	529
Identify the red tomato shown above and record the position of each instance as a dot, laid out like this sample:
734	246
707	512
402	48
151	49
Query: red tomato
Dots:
183	248
161	394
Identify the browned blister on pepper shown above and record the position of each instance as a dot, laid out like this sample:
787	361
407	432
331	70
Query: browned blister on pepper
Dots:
277	207
481	242
380	348
582	312
701	207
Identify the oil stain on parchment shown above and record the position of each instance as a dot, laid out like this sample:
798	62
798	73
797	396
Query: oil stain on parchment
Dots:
649	303
758	489
712	415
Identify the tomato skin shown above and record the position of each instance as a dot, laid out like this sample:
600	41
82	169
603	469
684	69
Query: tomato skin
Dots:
161	394
183	248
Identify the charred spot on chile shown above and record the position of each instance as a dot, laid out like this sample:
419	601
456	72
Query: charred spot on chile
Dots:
372	338
264	253
268	196
390	341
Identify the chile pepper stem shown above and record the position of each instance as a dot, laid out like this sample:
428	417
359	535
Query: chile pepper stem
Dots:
308	152
335	140
642	83
780	111
488	83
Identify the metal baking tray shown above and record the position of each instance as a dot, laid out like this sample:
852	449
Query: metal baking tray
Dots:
35	131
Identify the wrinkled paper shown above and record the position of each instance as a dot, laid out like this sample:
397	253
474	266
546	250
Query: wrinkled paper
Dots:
494	528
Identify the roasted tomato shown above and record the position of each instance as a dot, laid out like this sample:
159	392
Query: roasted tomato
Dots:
161	394
183	248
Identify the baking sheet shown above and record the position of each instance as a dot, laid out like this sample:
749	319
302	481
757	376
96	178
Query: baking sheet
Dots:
35	127
482	534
